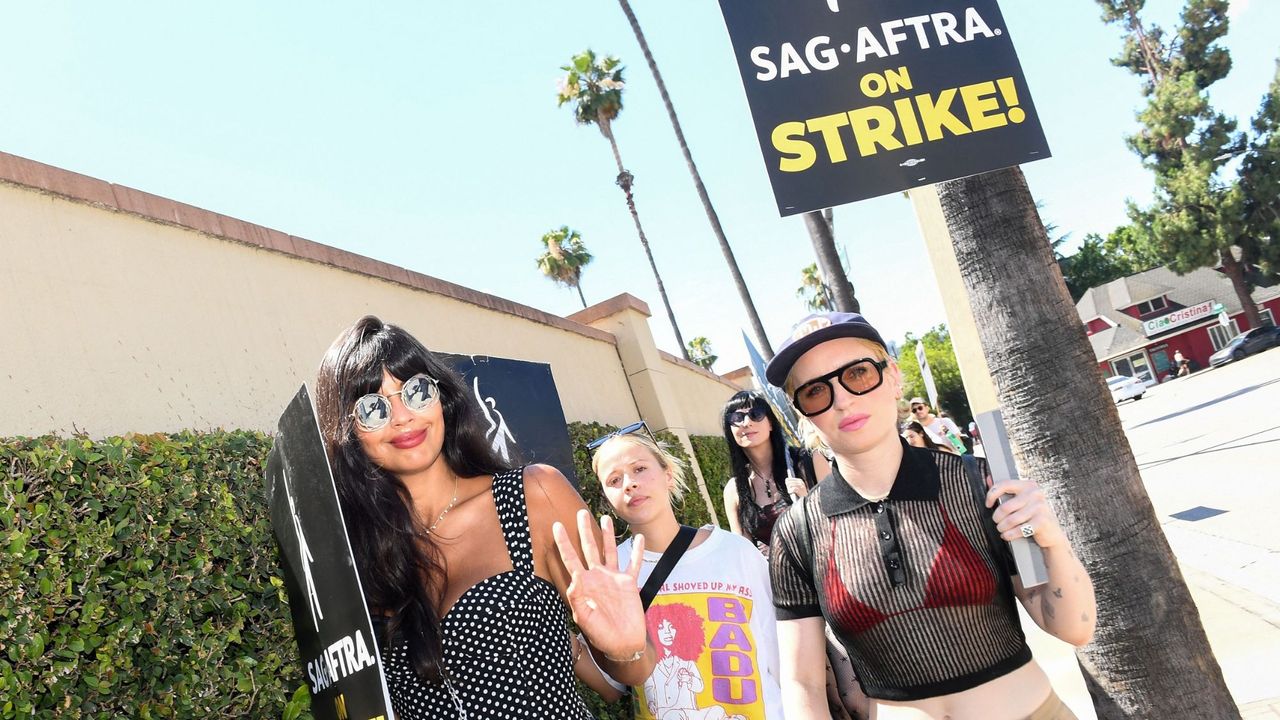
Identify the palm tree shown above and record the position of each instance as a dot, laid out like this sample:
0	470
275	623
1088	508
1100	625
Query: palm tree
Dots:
701	352
1150	656
821	233
595	88
712	217
564	258
814	292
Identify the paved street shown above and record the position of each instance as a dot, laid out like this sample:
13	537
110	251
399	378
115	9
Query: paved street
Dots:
1210	443
1208	447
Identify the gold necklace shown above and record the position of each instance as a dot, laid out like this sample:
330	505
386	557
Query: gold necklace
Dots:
447	508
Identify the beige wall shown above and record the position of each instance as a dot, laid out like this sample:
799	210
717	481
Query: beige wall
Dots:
701	395
114	323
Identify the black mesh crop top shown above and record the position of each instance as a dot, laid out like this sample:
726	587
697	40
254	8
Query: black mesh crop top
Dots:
916	586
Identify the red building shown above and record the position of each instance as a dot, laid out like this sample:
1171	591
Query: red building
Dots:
1137	323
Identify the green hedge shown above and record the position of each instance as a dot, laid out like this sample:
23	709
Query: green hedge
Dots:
139	577
713	458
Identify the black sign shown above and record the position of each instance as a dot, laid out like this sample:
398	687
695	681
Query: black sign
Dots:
519	402
338	649
858	98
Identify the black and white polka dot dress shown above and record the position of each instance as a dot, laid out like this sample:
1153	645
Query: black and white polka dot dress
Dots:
506	645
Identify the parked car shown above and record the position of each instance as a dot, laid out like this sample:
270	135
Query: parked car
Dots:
1245	344
1124	387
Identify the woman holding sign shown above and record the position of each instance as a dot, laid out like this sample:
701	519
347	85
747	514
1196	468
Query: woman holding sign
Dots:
706	591
465	562
901	552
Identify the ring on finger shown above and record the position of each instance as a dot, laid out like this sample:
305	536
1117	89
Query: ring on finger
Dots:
1027	530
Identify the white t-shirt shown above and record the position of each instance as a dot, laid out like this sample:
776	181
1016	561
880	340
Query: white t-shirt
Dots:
712	622
938	429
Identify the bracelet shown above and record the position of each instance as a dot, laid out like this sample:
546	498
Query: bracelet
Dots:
579	642
630	658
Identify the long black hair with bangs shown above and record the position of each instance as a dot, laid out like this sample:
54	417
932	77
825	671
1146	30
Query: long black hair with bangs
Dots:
401	570
748	510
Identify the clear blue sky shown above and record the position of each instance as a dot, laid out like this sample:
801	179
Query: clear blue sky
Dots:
427	135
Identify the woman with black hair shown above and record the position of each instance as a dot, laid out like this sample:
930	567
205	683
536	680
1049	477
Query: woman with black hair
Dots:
762	486
465	561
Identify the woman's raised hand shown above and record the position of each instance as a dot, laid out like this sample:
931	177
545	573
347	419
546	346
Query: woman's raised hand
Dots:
605	601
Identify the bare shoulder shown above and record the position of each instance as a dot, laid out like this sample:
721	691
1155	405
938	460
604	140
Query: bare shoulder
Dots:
731	490
547	490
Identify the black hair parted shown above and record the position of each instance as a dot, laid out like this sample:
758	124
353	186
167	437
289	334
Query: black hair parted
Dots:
401	570
748	510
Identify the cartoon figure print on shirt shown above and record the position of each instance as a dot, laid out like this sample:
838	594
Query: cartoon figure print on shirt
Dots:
706	668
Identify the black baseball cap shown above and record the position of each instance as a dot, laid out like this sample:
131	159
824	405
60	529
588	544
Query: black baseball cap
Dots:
814	330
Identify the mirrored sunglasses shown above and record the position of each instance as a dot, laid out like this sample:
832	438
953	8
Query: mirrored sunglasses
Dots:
739	417
627	430
858	378
373	411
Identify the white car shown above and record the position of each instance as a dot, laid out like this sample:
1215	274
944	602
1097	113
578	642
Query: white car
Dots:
1124	387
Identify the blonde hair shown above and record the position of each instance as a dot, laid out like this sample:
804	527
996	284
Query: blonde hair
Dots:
666	460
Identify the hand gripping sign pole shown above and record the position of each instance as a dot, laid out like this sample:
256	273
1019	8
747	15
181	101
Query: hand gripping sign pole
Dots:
336	641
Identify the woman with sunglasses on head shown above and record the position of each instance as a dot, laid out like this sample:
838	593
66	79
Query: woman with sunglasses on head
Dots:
465	563
767	473
902	553
711	617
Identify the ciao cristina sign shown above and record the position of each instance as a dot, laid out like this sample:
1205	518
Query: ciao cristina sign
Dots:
857	98
1155	326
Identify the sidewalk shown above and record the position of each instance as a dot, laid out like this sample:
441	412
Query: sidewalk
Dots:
1207	456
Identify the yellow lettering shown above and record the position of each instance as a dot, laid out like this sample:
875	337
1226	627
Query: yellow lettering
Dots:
797	154
937	115
340	706
871	125
907	118
898	79
982	106
829	126
872	85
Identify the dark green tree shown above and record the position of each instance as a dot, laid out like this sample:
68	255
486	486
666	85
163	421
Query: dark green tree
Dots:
944	368
1096	262
1198	218
1260	184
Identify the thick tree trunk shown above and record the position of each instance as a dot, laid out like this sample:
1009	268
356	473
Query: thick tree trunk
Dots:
741	284
624	182
824	247
1149	657
1234	269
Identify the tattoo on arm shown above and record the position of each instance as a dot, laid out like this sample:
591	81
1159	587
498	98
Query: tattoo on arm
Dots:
1048	608
1057	592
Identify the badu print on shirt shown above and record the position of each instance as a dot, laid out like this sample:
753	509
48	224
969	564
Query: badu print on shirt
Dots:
707	667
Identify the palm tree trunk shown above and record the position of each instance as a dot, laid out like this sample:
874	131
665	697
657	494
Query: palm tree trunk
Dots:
1149	656
624	182
824	247
738	281
577	284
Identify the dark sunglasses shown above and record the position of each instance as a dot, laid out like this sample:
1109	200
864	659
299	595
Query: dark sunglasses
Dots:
627	430
739	417
918	407
373	411
858	377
